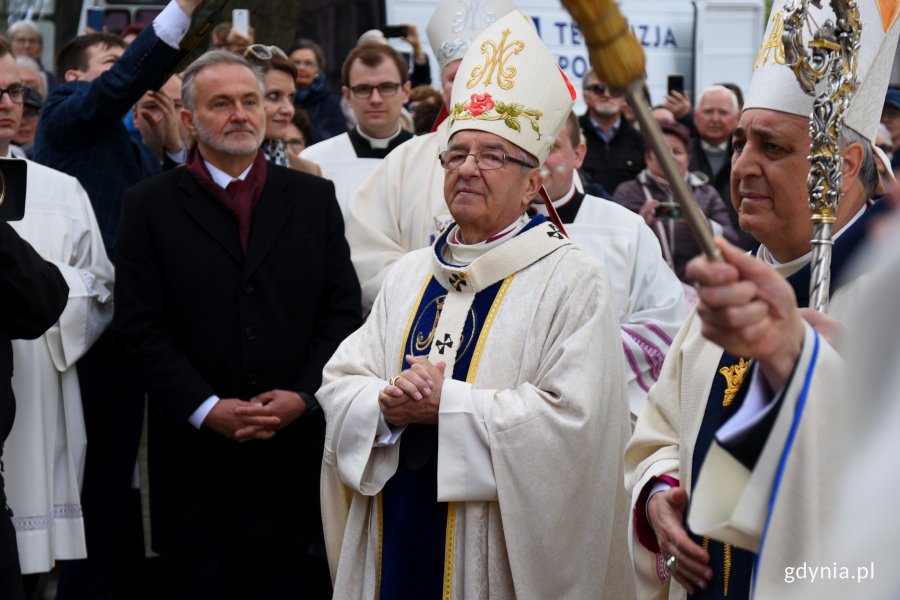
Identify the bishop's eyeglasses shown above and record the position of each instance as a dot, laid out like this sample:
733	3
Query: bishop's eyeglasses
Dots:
486	160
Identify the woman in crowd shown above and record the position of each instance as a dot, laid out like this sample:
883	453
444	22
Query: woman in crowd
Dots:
313	95
278	99
650	196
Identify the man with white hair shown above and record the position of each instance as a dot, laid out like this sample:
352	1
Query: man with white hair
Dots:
678	449
27	39
715	118
462	409
32	75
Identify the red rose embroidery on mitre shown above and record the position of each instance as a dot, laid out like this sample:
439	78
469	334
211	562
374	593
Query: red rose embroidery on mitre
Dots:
479	104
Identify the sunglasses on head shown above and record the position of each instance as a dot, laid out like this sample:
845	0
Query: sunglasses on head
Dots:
263	52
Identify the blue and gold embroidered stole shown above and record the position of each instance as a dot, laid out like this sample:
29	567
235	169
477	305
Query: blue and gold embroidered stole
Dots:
418	532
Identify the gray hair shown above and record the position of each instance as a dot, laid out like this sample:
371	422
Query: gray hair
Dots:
723	89
211	59
26	62
868	170
25	27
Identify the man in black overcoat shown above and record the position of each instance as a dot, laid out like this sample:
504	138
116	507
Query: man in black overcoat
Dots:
234	287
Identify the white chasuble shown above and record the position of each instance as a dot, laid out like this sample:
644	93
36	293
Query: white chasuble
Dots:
526	497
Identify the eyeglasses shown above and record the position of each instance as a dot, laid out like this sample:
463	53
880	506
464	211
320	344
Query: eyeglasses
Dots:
26	41
295	144
486	160
386	89
263	52
886	149
16	93
599	89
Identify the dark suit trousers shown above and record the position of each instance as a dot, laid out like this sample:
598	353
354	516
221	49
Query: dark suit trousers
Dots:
113	413
266	572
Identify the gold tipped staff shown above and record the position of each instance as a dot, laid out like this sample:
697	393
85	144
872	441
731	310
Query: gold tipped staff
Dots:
833	57
618	60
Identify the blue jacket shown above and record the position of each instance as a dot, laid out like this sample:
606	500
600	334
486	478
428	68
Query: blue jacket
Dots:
324	109
81	132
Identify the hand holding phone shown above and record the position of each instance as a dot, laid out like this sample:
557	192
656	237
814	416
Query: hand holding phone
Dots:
240	21
394	31
675	83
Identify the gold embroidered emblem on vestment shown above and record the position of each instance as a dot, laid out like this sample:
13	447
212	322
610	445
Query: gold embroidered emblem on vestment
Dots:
734	377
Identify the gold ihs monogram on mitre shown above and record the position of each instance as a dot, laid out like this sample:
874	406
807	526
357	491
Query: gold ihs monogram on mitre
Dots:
734	377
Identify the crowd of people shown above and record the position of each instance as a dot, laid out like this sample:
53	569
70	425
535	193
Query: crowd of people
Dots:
418	341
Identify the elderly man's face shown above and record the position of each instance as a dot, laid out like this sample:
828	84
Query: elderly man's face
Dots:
35	80
27	44
716	116
768	180
600	101
228	117
484	202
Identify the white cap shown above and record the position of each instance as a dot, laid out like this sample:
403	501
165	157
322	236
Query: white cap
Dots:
455	23
774	85
510	85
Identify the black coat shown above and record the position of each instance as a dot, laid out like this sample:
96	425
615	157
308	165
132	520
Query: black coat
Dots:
200	319
611	164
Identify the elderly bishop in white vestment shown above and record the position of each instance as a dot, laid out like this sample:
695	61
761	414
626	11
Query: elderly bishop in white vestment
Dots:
515	488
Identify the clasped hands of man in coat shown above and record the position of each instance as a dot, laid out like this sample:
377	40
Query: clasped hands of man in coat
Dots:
260	418
414	396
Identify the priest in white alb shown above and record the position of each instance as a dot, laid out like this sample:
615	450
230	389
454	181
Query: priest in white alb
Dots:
44	454
470	451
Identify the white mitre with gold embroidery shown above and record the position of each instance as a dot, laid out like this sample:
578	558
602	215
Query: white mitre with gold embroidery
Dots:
455	23
509	84
774	85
